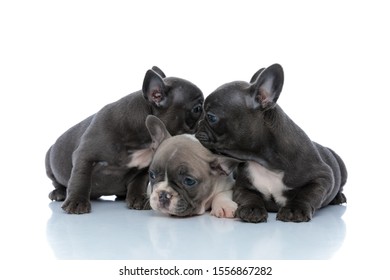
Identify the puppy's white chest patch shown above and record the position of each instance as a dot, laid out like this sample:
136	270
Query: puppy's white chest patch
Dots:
267	182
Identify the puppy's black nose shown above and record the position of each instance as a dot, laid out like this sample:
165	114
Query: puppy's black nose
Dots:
164	198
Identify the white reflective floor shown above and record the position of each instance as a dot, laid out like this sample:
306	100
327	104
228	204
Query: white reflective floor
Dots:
113	232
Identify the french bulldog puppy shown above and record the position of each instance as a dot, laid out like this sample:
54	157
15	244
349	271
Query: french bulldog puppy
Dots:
109	152
186	179
284	170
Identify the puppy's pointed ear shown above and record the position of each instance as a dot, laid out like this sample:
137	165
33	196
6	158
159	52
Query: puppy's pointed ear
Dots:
256	75
159	71
267	87
222	165
157	131
154	89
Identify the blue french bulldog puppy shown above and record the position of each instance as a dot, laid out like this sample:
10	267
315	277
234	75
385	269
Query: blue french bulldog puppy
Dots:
284	171
109	152
186	179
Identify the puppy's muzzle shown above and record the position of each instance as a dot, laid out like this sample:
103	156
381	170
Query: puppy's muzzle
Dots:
164	198
202	136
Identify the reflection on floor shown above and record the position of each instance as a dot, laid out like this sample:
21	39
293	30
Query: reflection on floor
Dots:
113	232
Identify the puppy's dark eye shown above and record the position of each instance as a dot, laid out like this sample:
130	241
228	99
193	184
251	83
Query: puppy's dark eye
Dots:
197	109
189	182
152	175
212	118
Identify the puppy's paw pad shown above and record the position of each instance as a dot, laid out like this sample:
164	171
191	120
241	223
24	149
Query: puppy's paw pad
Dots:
252	214
76	206
294	214
224	210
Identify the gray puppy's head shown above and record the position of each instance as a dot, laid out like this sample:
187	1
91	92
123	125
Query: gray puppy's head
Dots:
177	102
183	175
234	117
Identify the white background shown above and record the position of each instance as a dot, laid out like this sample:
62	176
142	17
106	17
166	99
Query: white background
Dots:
61	61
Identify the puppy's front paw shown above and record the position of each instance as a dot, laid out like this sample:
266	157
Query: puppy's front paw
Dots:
138	202
76	206
252	214
294	214
225	209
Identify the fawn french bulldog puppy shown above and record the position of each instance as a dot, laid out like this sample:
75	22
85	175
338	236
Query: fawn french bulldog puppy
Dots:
284	170
109	152
186	179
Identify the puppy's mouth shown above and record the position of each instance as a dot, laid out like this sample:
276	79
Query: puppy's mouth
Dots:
202	137
205	134
205	140
168	201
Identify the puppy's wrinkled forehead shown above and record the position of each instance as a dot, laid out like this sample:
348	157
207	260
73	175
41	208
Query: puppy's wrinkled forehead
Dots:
182	151
228	95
